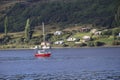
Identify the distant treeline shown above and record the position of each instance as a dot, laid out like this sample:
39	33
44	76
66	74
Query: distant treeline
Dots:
63	12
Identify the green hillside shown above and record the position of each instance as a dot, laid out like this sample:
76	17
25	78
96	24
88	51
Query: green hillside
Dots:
60	12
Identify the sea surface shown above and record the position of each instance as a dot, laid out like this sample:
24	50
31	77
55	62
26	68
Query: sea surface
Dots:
64	64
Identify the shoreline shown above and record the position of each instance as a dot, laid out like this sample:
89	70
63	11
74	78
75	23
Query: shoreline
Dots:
89	47
61	48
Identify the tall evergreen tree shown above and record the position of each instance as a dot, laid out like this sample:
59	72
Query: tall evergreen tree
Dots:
117	13
6	26
117	17
27	30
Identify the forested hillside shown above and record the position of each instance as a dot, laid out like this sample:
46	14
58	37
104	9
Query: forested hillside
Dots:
61	12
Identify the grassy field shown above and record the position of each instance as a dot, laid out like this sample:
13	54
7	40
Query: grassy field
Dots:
107	40
80	35
16	39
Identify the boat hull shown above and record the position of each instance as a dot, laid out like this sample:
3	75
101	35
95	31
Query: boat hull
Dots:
42	55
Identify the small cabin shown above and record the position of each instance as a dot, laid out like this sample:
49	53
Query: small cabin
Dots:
84	29
58	33
98	33
86	38
59	42
71	39
45	43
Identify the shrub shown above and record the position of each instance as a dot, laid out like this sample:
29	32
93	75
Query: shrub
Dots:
116	31
6	39
34	42
83	44
90	44
116	43
107	32
65	45
118	38
97	43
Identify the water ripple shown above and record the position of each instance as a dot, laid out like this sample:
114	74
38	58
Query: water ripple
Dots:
85	75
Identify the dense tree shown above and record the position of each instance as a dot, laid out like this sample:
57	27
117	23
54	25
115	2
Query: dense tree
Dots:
63	12
107	32
27	30
116	20
116	31
6	25
117	17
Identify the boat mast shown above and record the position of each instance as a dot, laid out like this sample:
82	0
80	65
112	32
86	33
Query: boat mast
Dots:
43	31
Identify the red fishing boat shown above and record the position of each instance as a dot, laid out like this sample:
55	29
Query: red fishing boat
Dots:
42	52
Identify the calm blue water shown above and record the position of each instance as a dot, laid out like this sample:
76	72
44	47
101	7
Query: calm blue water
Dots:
64	64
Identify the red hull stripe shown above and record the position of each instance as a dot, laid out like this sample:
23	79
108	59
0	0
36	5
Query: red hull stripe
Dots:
42	55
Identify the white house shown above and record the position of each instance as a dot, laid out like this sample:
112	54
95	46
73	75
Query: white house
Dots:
59	42
93	31
58	33
85	29
45	45
86	38
71	39
98	33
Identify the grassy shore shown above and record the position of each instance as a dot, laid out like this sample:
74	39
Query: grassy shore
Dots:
16	40
32	47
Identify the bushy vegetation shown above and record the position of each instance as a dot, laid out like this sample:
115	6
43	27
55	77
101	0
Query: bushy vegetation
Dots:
107	32
90	44
116	31
12	40
116	42
62	12
5	39
98	43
